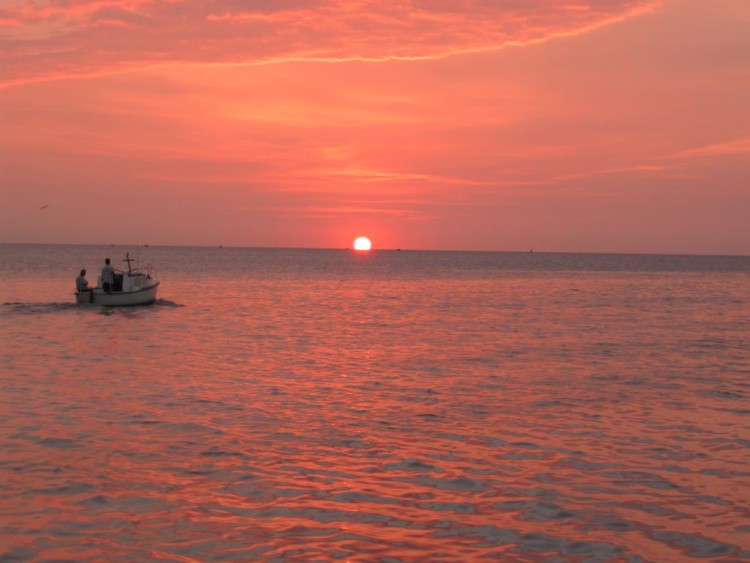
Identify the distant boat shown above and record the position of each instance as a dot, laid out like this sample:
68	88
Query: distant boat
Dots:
130	288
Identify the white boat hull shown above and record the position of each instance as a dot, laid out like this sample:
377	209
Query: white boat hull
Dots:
141	296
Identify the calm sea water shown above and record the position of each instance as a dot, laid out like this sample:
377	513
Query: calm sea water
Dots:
323	405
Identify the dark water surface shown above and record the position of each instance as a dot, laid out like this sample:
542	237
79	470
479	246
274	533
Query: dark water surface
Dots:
322	405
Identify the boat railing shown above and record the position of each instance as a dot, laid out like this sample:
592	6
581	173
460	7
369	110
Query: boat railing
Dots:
147	270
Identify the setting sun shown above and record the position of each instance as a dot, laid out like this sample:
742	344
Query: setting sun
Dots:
362	243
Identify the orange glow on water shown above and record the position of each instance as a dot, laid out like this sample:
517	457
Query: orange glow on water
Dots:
454	416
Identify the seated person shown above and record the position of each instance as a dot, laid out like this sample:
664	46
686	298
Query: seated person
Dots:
82	283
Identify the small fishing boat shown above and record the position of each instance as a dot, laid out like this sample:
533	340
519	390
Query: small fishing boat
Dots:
133	287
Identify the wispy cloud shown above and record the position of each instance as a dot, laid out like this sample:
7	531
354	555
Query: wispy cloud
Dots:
669	165
727	148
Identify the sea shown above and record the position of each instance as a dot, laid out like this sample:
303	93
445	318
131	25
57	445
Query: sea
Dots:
388	406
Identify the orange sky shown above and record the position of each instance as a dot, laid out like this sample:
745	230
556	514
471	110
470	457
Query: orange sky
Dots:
573	125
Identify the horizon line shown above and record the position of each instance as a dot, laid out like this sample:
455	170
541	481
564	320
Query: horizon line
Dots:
530	251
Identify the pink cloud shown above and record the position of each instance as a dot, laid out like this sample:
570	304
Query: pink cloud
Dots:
58	39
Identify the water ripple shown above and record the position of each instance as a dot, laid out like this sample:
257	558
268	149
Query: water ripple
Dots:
543	415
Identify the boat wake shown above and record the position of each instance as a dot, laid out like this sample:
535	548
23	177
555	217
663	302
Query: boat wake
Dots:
167	303
42	308
36	308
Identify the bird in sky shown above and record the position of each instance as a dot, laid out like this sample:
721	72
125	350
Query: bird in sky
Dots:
43	207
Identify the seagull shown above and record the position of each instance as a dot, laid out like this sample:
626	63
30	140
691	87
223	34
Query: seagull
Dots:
43	207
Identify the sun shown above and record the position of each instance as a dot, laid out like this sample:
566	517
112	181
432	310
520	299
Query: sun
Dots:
362	243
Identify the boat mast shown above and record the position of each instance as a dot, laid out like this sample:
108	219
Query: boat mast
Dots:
127	259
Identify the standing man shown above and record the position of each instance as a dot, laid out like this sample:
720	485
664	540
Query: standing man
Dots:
108	276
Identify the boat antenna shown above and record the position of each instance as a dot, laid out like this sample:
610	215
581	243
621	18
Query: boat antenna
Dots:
127	259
